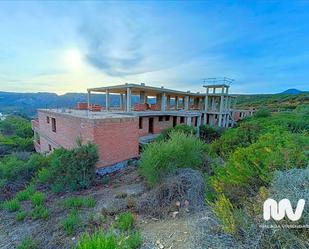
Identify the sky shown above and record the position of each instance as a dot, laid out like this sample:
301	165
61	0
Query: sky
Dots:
66	46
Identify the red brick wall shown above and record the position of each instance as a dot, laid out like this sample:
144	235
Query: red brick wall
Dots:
68	129
117	140
145	125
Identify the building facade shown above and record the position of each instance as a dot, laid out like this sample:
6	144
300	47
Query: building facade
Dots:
119	130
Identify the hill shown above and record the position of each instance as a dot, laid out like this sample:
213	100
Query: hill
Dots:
273	101
292	91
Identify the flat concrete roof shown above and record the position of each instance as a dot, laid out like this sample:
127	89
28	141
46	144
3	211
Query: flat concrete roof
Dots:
137	88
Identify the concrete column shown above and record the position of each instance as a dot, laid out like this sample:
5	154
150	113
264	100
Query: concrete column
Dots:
107	100
206	103
211	119
221	103
158	99
198	126
224	120
121	101
163	103
176	102
142	99
88	98
223	89
189	121
213	104
168	102
128	102
219	120
187	103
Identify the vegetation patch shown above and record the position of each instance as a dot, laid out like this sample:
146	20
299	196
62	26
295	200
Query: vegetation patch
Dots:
124	221
161	158
40	212
28	243
12	205
79	202
38	198
71	223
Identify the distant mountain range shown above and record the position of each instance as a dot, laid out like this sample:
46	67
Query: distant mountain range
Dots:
28	103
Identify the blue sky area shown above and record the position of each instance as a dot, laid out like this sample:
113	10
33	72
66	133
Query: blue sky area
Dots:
68	46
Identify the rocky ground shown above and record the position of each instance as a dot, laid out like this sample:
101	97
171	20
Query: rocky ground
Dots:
183	230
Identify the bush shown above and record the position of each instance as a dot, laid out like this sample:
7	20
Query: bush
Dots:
78	202
38	198
242	136
74	168
44	175
262	113
209	133
98	240
11	205
40	212
224	210
124	221
27	243
21	215
71	222
185	129
26	193
101	240
161	158
134	240
14	169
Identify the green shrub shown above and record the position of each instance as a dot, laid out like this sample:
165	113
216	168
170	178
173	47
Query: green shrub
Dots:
124	221
161	158
14	169
242	136
40	212
224	210
71	223
28	243
12	205
98	240
262	113
209	133
185	129
44	175
21	215
134	240
38	198
247	169
74	168
57	187
78	202
26	193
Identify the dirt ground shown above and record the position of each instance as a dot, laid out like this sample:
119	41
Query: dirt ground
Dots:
185	231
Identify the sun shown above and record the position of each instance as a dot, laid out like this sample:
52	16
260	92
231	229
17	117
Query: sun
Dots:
73	59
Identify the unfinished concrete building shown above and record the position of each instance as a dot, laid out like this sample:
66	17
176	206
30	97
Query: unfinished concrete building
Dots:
119	130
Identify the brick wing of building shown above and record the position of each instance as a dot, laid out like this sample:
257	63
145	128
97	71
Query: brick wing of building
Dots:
118	131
